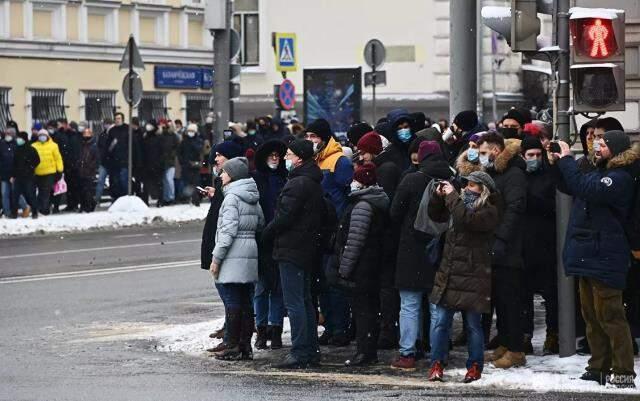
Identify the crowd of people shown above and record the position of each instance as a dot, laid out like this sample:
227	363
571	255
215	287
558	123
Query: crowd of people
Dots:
383	236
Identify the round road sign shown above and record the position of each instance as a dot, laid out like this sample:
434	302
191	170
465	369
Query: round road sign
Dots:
287	94
374	53
136	91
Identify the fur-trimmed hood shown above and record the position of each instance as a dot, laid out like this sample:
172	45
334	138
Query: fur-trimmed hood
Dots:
509	155
624	159
464	166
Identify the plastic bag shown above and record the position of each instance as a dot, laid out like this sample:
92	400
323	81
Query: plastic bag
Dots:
60	187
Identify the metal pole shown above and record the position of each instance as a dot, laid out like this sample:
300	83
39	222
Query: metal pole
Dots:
462	63
130	151
566	285
373	86
494	101
479	60
221	79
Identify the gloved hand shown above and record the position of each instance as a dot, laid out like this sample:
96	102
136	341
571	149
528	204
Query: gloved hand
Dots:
499	249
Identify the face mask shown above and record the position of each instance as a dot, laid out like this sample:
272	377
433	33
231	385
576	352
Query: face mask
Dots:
252	132
191	134
8	138
209	120
355	186
42	138
596	146
508	133
316	147
149	127
215	171
20	141
51	131
273	166
404	135
472	155
289	164
533	165
448	134
485	162
81	129
469	198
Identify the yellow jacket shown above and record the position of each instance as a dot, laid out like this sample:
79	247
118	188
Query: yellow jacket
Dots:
328	157
50	158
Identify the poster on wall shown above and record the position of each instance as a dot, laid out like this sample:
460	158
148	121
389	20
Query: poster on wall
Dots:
334	94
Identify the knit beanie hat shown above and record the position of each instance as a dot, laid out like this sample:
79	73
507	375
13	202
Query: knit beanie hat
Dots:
357	131
37	127
236	168
302	148
530	142
475	138
480	177
370	143
428	148
322	128
466	120
515	115
229	149
617	141
365	174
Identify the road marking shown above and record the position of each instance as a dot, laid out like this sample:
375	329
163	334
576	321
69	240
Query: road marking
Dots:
130	236
104	248
98	272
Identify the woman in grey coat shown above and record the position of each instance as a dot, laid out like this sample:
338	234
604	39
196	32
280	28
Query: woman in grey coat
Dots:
235	256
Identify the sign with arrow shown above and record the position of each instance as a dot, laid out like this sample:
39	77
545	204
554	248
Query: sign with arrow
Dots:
286	53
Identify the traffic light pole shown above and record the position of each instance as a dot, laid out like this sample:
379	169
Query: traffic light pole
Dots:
130	138
462	63
566	285
221	76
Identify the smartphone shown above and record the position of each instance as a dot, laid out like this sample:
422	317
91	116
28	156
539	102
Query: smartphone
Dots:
202	190
555	147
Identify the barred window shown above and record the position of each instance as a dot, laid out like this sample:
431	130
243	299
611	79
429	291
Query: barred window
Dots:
152	106
5	108
246	20
198	105
98	106
47	104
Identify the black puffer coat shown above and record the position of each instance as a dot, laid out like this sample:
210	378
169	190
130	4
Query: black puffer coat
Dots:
152	155
540	221
295	229
360	237
387	173
413	272
463	281
210	226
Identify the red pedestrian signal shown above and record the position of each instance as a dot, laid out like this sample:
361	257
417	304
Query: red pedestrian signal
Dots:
594	37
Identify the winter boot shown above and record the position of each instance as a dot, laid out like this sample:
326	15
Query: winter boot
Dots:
276	337
583	347
493	343
474	373
551	344
362	360
232	352
246	333
261	339
218	334
324	338
496	354
511	360
340	340
594	376
218	348
407	363
436	373
528	346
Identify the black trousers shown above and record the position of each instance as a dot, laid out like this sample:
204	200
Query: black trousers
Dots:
507	293
85	194
364	307
191	178
152	187
543	280
26	187
73	189
45	186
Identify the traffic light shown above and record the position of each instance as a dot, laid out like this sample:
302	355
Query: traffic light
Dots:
518	24
597	59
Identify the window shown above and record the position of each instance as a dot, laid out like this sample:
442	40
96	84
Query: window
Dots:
197	106
152	106
47	104
99	23
246	22
45	20
152	27
99	105
5	108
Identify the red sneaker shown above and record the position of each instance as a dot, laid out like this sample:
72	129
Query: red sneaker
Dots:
404	363
436	373
474	373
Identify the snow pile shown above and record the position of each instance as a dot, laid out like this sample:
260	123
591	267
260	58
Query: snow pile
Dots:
74	222
128	204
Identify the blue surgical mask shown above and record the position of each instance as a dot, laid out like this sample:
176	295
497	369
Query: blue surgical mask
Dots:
289	164
485	162
533	165
43	138
252	132
20	141
472	155
404	135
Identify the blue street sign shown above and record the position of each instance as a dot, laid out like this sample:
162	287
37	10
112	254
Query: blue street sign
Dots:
207	78
177	77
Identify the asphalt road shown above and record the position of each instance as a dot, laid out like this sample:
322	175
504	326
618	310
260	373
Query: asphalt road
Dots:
61	294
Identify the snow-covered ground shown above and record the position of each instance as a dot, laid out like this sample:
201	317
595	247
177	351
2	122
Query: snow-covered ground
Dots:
128	213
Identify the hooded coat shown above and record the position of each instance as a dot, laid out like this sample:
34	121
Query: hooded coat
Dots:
508	172
361	235
395	117
413	272
596	245
463	281
270	182
337	173
236	249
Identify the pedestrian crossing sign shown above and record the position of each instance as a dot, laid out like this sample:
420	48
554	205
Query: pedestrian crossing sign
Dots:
286	54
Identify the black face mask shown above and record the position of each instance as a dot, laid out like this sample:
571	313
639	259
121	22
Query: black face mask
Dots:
509	133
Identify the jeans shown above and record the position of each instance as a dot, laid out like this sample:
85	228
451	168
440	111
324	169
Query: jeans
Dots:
410	311
268	305
102	178
6	197
334	305
122	175
168	185
441	319
296	290
222	293
45	186
24	188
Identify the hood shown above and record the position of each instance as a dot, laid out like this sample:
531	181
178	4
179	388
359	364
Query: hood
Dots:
510	155
583	134
244	189
309	169
263	152
627	158
375	195
464	166
436	166
332	147
396	116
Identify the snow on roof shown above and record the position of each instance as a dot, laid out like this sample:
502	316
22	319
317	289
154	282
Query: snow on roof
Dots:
605	13
601	65
550	49
536	68
496	12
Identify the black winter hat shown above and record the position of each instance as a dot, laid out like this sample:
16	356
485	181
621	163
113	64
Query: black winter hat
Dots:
228	149
357	131
514	114
617	142
530	142
466	120
12	124
302	148
322	128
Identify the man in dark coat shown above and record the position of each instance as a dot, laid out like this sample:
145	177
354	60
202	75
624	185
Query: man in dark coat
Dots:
170	143
7	154
414	274
71	158
398	132
502	160
117	156
189	155
295	230
25	161
153	167
597	251
87	169
270	177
